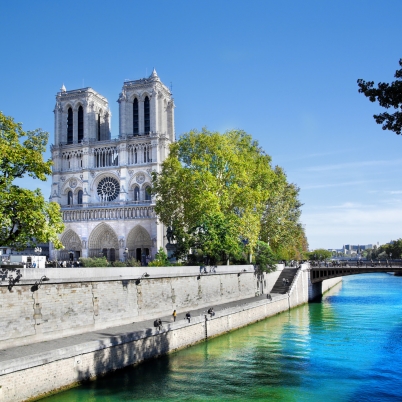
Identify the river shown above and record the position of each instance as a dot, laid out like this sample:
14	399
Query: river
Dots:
345	348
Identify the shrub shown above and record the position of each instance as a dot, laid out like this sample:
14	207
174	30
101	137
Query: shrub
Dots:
133	262
160	260
119	264
94	262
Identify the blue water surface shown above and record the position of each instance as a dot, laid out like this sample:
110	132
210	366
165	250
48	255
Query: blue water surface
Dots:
345	348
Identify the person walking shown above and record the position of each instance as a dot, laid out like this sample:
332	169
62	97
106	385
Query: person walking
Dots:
174	315
188	316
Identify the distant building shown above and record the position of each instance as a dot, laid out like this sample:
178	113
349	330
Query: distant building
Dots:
351	249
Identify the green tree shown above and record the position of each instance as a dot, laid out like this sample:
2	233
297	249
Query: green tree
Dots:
319	254
280	225
212	190
25	217
217	236
394	248
387	96
264	257
296	248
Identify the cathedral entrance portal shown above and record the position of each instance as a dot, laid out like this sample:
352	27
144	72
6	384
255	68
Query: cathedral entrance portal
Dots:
103	242
72	247
139	244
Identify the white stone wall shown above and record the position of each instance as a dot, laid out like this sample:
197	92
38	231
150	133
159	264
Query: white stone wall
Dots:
70	307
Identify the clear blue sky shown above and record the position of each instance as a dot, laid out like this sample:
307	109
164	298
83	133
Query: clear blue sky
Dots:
285	72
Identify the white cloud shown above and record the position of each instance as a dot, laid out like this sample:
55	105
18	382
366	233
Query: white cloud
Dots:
340	184
353	165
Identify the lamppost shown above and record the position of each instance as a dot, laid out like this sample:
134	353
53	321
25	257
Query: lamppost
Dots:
38	252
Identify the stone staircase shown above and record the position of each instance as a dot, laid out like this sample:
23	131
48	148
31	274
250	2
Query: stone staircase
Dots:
279	287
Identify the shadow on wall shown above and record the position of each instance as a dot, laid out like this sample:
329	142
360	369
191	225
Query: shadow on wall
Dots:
111	358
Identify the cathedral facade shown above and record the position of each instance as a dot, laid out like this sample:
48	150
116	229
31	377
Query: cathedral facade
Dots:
103	184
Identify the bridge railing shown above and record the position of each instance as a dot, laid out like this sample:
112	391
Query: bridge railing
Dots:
357	264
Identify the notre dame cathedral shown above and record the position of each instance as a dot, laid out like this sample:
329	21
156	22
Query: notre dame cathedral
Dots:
103	184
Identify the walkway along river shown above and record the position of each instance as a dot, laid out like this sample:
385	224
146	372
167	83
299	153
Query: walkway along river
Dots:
345	348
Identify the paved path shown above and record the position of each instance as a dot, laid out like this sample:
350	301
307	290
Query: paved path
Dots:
47	347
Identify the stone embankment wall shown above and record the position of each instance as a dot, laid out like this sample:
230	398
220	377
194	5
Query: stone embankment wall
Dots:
36	375
75	300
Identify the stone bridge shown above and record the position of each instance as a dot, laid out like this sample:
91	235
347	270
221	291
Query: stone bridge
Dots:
320	273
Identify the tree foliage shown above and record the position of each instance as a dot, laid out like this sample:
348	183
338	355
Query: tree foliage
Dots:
214	190
280	226
296	248
387	96
264	257
319	254
394	248
25	217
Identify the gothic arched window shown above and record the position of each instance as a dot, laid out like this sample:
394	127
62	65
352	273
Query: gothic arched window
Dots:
70	198
135	155
80	124
136	193
147	193
70	126
135	117
147	122
80	197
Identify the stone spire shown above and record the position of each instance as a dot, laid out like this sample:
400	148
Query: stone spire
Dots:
63	88
154	73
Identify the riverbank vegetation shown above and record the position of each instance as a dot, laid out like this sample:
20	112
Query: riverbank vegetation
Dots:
221	198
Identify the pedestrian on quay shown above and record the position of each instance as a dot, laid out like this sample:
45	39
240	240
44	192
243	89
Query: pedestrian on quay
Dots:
188	316
158	324
174	315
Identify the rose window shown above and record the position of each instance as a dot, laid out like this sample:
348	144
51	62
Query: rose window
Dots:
108	189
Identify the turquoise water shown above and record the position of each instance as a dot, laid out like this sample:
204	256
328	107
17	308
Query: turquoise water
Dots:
346	348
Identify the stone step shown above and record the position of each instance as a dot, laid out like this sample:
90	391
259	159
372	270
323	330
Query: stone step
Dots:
279	287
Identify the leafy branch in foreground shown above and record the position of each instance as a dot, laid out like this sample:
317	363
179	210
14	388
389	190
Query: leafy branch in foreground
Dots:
387	96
